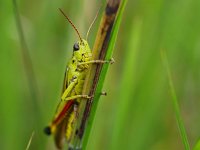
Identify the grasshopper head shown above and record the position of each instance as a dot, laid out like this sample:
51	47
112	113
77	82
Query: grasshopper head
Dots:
82	51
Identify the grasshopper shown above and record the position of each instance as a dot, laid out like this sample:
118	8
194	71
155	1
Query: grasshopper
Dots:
75	74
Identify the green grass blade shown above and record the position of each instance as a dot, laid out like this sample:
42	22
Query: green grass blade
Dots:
30	73
197	146
30	141
175	103
128	78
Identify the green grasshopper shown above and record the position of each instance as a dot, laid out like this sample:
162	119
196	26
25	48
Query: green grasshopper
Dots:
75	74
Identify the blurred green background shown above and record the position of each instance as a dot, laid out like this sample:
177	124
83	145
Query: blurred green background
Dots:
138	112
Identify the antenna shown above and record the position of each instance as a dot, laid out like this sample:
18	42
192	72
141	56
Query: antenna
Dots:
71	24
92	23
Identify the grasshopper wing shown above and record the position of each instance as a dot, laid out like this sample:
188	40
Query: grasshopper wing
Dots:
60	133
62	116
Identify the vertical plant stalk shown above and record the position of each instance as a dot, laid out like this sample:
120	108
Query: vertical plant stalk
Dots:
99	52
179	119
102	50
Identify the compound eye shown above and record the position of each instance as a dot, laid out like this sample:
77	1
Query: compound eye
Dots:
76	47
